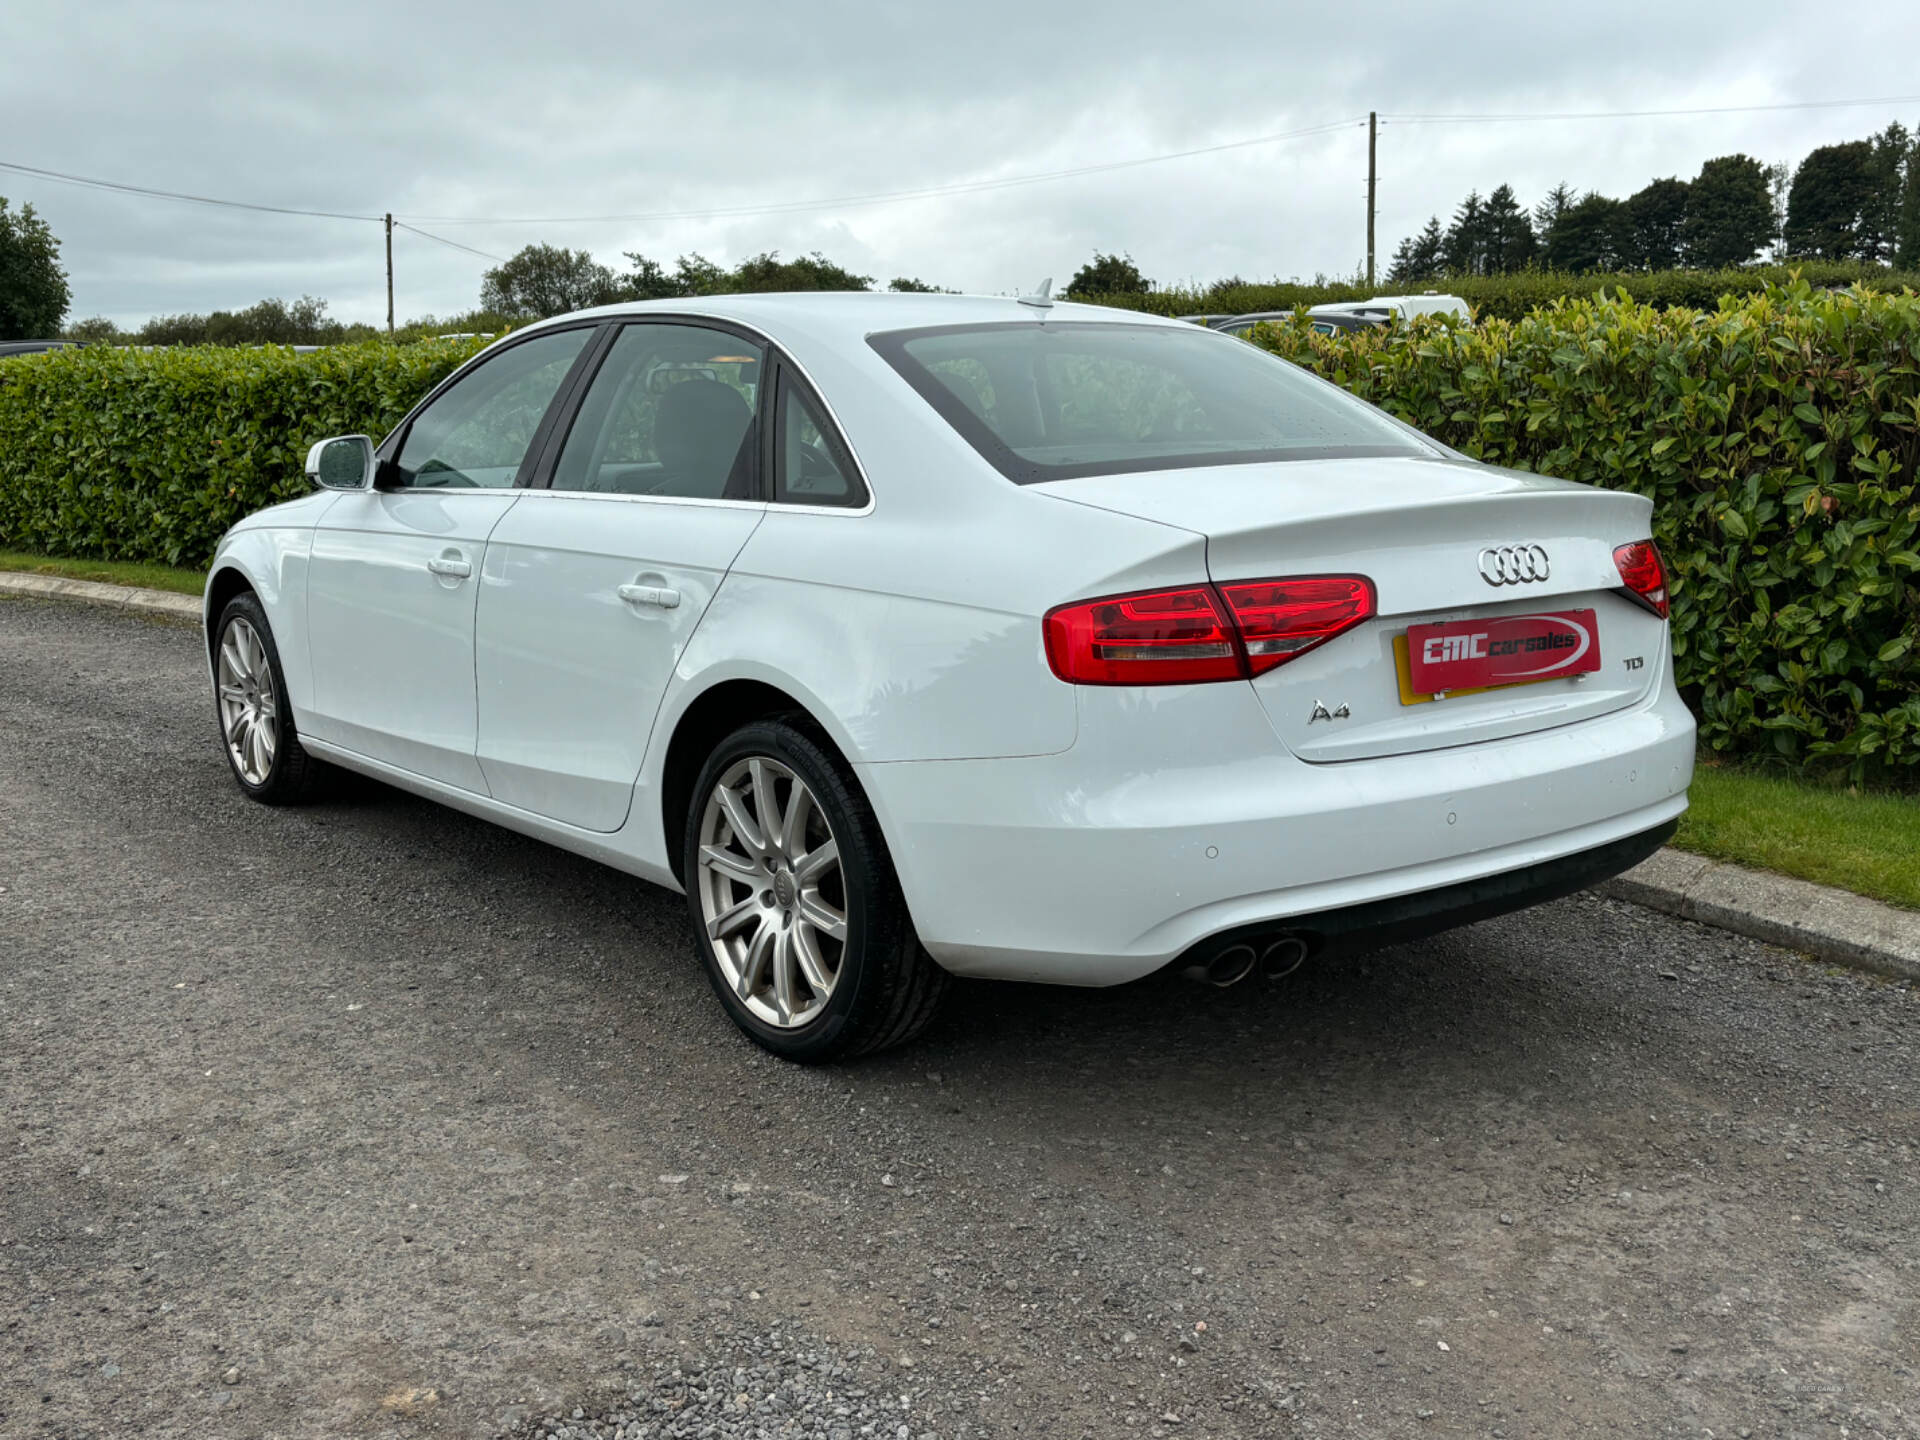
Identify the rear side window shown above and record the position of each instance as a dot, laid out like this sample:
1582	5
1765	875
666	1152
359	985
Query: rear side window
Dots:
671	412
811	467
1044	401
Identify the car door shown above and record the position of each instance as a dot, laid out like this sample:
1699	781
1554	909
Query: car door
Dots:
594	583
394	571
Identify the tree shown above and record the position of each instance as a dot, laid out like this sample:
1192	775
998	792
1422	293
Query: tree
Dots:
1907	218
697	275
1654	218
98	330
768	273
1889	166
1547	213
1729	213
1508	238
1464	251
1493	236
648	280
270	322
33	287
1109	275
906	285
1779	182
275	322
763	273
1831	199
1420	257
1589	236
546	280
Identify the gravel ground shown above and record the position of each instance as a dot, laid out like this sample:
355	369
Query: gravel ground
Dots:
372	1120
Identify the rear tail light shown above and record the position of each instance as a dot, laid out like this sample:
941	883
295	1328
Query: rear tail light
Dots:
1158	637
1280	619
1201	632
1644	574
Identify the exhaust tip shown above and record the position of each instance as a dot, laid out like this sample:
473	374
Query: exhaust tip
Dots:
1282	958
1228	966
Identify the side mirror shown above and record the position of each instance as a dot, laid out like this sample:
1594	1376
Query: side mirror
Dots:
343	463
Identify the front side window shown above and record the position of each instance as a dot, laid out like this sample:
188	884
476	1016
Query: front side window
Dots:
477	431
671	412
812	468
1045	401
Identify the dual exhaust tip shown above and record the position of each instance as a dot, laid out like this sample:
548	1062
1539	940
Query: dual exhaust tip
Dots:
1275	959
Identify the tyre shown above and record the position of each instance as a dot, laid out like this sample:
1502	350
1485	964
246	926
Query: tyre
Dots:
250	705
797	912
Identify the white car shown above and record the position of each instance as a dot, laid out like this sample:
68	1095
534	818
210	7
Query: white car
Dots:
917	636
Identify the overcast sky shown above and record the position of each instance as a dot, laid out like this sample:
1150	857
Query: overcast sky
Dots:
485	109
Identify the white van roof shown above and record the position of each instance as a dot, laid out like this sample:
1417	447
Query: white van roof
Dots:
1403	306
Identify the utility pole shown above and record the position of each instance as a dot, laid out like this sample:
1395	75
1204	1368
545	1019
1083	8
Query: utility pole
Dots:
1373	183
390	265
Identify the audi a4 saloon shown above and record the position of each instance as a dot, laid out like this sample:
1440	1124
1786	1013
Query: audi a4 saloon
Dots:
926	636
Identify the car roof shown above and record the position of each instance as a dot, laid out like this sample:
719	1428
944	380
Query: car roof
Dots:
852	315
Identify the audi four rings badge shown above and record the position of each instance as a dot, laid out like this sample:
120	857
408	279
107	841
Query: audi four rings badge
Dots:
1513	564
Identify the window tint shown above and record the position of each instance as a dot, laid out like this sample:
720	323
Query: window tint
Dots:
1053	401
671	412
477	433
813	469
967	378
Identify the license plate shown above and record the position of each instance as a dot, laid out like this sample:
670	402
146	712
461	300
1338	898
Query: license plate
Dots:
1463	657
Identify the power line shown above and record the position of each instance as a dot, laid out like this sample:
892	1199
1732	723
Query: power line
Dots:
484	255
963	187
1439	119
88	182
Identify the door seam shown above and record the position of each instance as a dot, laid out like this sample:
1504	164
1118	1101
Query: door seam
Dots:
473	653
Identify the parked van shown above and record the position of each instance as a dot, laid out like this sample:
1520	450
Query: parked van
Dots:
1399	307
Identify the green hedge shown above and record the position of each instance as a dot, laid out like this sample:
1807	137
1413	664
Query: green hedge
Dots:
1777	436
1510	297
150	455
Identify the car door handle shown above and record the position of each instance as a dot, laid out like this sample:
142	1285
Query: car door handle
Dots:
452	565
660	596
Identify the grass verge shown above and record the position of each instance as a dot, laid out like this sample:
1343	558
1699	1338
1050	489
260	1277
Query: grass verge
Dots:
1861	841
111	572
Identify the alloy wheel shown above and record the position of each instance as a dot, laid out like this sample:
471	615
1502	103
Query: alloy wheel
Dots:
772	893
249	709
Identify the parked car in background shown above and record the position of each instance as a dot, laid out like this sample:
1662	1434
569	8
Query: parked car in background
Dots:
1321	324
33	347
917	635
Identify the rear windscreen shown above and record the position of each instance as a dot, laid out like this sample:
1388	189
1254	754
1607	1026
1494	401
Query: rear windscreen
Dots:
1045	401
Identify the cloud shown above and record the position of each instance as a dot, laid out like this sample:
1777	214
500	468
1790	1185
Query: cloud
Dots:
487	109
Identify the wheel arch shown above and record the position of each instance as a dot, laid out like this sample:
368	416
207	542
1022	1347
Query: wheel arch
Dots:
270	562
712	715
226	581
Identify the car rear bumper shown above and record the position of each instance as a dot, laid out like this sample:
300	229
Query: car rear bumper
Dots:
1401	918
1176	821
